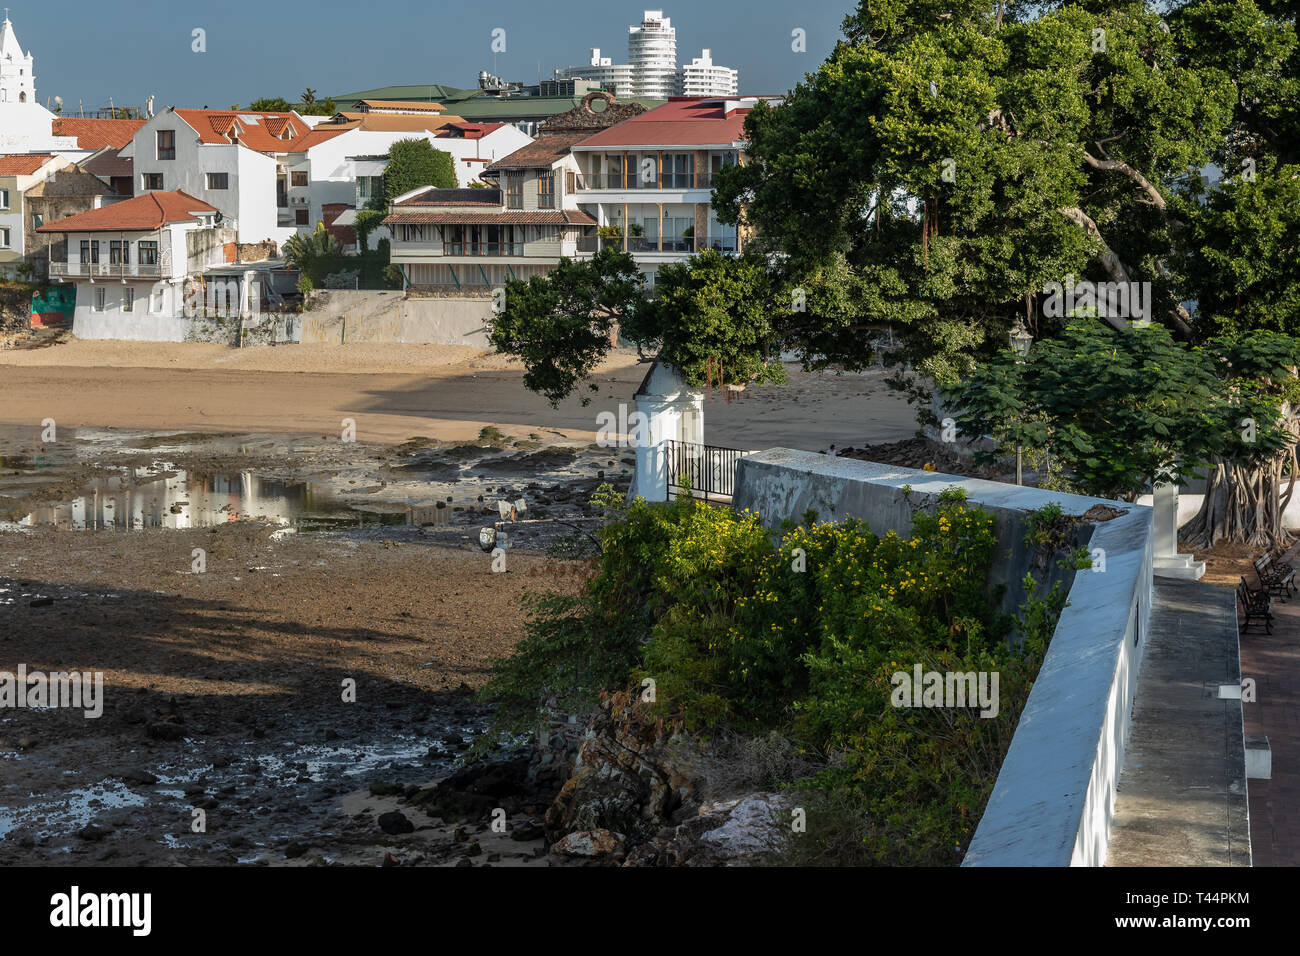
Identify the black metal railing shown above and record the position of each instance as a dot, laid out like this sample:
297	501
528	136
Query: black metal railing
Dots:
681	244
707	469
634	180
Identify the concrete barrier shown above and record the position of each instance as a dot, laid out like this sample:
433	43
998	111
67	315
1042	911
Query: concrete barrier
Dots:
342	316
1054	799
141	327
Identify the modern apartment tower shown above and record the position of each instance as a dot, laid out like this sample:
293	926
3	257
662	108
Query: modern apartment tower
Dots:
652	52
651	71
701	77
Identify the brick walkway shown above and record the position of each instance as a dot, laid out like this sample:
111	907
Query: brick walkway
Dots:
1181	799
1273	661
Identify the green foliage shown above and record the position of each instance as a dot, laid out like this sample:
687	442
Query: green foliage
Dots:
800	634
413	163
1120	409
949	160
368	220
561	324
710	318
270	104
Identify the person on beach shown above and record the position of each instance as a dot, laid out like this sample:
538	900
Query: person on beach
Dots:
832	451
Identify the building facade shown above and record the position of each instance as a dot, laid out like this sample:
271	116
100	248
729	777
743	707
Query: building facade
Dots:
648	181
134	262
701	77
652	54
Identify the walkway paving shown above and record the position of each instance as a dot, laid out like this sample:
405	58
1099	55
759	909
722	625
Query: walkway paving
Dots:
1273	662
1181	799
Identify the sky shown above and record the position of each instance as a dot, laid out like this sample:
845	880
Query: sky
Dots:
87	53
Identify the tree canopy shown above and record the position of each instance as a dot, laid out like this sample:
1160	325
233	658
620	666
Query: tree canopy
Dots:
413	163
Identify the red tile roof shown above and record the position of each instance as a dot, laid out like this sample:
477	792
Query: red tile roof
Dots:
468	130
541	153
23	164
261	131
97	133
150	211
682	121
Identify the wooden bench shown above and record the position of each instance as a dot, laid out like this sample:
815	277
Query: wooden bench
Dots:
1256	606
1277	581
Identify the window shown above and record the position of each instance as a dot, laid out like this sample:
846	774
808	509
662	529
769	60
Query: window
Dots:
99	300
546	191
114	253
128	299
300	217
413	234
4	199
368	186
299	179
4	238
156	301
166	144
151	180
147	251
90	251
514	190
218	180
37	220
678	169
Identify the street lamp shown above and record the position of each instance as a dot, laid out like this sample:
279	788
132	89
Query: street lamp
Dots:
1020	340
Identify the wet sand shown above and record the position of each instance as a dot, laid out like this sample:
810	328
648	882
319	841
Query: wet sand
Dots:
396	392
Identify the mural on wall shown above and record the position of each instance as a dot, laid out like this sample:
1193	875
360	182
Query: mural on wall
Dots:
54	306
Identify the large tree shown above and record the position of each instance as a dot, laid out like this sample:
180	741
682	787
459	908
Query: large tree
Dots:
950	160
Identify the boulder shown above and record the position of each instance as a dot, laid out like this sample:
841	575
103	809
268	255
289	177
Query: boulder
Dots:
589	844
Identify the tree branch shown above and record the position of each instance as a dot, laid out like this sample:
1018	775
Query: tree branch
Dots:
1124	169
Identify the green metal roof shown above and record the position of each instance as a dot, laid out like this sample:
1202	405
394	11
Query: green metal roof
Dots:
430	92
474	104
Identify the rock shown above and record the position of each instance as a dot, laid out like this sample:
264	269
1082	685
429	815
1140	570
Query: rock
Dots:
140	777
383	788
165	730
93	833
464	861
474	849
394	823
754	824
294	850
589	844
529	831
40	602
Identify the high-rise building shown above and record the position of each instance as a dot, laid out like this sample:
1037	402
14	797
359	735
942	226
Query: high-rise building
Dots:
652	52
651	71
616	78
701	77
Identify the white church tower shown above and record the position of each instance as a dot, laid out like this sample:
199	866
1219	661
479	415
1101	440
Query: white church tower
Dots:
17	82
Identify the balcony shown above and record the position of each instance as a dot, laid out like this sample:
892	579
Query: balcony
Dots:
633	181
482	248
104	270
684	245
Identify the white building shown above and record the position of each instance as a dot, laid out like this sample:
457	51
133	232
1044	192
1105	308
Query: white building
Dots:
247	164
19	173
648	181
651	70
614	77
25	125
652	53
132	262
17	81
701	77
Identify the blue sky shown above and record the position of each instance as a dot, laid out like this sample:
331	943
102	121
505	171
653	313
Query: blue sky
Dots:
92	52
